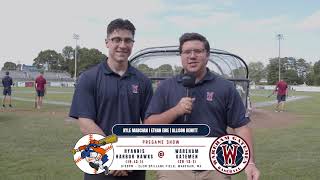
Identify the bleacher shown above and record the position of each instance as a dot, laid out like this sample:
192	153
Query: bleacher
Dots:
31	75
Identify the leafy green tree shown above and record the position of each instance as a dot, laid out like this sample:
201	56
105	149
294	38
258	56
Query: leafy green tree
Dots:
309	78
316	81
295	71
256	71
288	63
302	68
316	67
65	61
49	57
273	71
9	66
291	77
164	70
239	72
146	70
68	59
88	58
177	69
316	70
68	52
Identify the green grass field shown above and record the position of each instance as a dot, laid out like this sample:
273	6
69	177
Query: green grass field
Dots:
262	95
52	94
36	144
291	152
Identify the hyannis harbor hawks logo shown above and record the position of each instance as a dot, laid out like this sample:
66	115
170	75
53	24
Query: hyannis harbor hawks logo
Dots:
93	153
229	154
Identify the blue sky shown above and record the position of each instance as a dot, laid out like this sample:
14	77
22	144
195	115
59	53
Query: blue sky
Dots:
244	27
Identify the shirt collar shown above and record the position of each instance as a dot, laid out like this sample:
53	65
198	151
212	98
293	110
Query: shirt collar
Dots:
108	71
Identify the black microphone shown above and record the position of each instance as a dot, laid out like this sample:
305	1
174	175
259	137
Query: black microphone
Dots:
188	81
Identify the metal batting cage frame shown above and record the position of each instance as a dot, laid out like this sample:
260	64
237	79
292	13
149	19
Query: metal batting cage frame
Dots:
159	63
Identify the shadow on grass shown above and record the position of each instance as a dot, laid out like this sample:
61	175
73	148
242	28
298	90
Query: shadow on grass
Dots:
6	117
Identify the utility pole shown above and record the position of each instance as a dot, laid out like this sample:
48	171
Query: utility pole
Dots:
279	37
76	37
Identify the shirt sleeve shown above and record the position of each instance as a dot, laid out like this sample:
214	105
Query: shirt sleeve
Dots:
146	99
157	103
236	112
83	102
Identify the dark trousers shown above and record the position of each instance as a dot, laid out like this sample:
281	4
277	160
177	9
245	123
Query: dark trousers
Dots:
134	175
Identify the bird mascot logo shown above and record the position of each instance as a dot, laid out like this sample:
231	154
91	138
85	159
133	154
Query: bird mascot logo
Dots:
93	153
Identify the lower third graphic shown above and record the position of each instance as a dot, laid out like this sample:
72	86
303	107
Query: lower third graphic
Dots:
93	153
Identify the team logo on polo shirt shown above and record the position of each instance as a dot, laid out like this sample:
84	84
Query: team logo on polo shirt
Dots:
135	89
210	96
93	153
229	154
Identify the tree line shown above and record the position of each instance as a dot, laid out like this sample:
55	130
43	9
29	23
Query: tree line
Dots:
293	70
64	61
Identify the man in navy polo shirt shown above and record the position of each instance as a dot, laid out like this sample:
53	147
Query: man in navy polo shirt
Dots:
113	92
6	83
214	101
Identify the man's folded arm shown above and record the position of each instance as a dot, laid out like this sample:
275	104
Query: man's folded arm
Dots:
88	126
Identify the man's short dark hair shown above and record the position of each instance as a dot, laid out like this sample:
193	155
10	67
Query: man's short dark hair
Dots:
194	36
120	24
7	73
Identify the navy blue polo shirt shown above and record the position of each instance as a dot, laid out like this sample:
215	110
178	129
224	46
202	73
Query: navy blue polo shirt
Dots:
109	99
217	103
7	82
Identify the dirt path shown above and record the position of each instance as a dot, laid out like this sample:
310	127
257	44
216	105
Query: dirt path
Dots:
261	118
270	103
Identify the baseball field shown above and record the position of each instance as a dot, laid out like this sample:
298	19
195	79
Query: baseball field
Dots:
35	144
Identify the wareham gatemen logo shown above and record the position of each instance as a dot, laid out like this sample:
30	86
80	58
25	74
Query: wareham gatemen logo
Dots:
229	154
93	153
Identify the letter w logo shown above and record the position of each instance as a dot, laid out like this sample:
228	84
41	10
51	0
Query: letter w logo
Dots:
230	154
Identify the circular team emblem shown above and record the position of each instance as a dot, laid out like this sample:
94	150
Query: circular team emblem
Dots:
229	154
93	153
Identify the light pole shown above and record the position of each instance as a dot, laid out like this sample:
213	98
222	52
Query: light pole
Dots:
76	37
279	37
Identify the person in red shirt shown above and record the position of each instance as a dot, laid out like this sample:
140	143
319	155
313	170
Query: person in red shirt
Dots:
40	86
282	91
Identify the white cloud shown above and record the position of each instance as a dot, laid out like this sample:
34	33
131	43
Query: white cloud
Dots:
226	3
310	23
27	27
275	23
211	20
188	8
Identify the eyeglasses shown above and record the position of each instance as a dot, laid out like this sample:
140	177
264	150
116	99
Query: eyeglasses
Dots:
118	40
195	51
